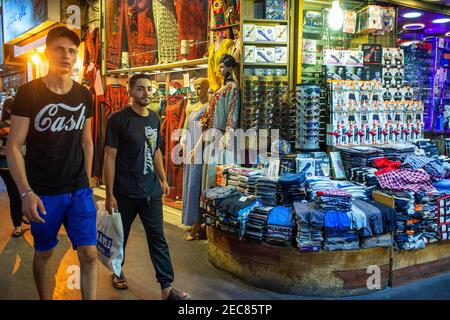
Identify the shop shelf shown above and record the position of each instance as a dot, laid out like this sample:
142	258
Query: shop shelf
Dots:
266	21
263	64
178	66
265	43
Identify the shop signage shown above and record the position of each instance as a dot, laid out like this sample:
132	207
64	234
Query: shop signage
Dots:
22	18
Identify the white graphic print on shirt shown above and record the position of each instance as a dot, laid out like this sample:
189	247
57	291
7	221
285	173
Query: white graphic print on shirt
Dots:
47	118
150	148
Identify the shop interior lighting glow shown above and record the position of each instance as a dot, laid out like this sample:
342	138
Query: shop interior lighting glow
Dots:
36	58
412	15
336	16
440	21
447	34
413	26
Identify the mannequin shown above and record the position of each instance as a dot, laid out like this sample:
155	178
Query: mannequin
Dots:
216	51
192	178
222	114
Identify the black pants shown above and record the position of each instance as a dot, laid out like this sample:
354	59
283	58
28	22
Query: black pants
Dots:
151	214
15	203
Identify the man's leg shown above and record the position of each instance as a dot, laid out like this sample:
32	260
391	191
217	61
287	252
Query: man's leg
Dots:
151	214
128	208
88	269
42	277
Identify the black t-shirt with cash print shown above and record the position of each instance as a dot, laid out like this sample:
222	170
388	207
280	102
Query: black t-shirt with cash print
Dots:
54	159
136	139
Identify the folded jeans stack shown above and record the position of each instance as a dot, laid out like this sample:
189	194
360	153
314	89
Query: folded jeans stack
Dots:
256	226
310	222
267	188
292	187
280	227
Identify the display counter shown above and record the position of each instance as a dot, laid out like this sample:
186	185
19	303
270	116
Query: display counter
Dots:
324	273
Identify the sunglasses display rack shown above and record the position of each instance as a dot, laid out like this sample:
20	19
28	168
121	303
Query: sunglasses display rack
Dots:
310	104
361	114
443	217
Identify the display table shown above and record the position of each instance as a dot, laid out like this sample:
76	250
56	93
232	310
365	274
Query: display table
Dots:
324	273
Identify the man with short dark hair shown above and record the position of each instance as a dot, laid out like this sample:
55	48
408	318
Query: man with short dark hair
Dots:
134	176
53	116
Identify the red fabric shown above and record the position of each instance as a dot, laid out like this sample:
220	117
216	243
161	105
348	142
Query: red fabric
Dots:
175	116
385	165
141	33
116	98
192	19
92	49
115	10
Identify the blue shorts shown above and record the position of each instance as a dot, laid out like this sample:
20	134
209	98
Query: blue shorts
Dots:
76	210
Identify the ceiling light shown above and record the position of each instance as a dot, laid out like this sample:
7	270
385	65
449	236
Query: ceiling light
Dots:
413	26
447	34
336	16
442	20
412	15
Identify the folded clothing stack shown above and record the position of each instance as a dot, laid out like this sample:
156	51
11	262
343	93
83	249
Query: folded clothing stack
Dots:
310	222
251	183
256	226
397	151
359	156
433	166
267	188
322	183
280	226
292	188
364	176
334	200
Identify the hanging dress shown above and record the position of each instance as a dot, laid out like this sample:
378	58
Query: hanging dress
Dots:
167	30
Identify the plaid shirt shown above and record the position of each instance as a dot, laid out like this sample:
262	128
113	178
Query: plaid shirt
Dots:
406	179
432	166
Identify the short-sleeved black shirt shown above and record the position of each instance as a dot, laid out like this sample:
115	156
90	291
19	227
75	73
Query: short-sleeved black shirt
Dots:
54	159
136	139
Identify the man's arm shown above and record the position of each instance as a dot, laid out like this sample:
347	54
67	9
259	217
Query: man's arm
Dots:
16	139
110	172
88	146
159	169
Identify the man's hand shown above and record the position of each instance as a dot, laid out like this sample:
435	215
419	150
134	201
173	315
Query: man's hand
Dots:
165	188
110	204
30	203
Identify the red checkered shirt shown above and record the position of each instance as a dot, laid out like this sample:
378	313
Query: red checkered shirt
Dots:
406	179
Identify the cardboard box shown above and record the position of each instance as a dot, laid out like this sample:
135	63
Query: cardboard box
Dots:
281	33
383	198
265	55
306	165
353	58
355	73
309	58
335	72
265	33
373	54
309	45
250	54
280	55
249	32
333	58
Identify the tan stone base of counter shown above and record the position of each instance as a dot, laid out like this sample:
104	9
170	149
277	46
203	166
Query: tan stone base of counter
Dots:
324	273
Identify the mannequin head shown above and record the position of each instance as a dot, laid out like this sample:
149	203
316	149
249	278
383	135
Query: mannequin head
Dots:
201	88
226	66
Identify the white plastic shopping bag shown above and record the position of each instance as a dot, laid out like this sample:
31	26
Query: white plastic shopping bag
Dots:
109	238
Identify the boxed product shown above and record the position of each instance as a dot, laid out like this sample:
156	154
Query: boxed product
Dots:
265	55
250	54
333	58
353	58
388	78
350	22
399	76
373	73
307	166
309	58
323	166
393	58
373	54
276	9
309	45
265	33
249	32
335	72
280	55
370	19
312	18
355	73
281	33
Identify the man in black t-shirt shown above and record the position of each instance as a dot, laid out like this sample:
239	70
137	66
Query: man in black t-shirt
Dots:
52	115
134	175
